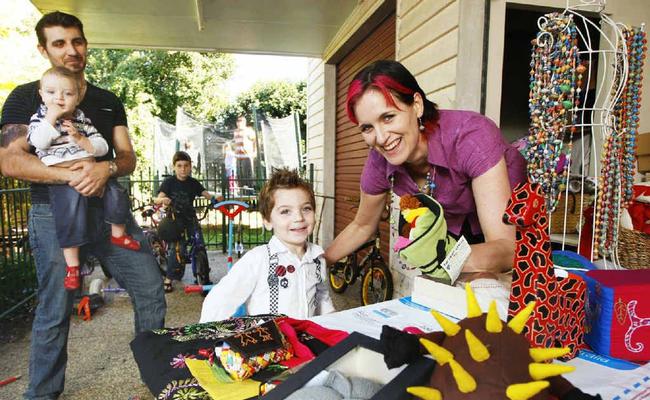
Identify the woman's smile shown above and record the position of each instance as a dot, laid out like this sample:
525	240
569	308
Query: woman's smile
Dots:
393	146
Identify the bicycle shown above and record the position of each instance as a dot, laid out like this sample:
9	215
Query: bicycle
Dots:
155	213
376	281
193	250
230	208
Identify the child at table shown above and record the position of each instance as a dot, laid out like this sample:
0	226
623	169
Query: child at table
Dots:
288	275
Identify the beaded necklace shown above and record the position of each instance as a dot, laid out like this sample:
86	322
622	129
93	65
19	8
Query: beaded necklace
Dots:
554	90
429	182
618	159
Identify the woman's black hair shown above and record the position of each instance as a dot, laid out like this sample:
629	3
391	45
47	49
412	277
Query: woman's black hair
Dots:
389	76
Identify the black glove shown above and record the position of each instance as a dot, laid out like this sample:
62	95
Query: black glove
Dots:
399	347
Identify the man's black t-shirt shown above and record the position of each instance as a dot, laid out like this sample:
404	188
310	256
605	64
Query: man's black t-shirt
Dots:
182	194
102	107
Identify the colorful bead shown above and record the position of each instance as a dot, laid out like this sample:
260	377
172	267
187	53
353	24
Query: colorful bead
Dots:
552	100
618	161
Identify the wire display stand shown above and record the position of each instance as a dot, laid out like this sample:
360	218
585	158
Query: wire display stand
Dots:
604	121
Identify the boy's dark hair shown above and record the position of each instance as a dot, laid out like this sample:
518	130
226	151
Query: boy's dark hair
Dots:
57	18
283	178
181	156
61	72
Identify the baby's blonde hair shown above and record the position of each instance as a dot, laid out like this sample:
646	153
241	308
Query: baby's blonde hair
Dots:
61	72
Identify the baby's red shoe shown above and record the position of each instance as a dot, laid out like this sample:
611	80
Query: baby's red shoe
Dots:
71	280
126	242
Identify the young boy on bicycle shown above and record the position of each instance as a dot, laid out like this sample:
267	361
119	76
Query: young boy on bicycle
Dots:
288	275
180	191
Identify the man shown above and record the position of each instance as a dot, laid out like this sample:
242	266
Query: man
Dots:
62	41
245	152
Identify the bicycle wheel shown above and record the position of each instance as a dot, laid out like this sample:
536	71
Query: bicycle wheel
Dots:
377	283
337	277
159	253
350	272
202	267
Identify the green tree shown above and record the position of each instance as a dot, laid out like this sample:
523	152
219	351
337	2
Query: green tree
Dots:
155	83
274	99
172	78
22	63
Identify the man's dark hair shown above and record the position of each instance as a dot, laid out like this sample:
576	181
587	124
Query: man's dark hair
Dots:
57	18
181	156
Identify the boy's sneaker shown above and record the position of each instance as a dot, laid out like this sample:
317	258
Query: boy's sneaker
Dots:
71	280
126	242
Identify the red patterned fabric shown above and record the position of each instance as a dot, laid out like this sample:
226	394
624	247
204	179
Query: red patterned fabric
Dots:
559	316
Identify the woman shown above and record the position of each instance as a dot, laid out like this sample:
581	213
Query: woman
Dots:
458	157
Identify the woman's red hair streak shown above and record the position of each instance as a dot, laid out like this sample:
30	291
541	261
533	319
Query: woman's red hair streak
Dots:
384	83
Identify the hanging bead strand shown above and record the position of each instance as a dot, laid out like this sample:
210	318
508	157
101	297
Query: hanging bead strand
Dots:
618	161
552	101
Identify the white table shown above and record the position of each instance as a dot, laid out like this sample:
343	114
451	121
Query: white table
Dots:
594	374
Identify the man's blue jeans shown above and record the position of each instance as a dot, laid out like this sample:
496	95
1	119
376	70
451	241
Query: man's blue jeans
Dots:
135	271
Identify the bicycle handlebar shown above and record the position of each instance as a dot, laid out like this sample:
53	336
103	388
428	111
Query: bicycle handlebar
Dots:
239	206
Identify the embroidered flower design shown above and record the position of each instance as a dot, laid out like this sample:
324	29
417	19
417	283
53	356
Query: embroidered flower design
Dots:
179	360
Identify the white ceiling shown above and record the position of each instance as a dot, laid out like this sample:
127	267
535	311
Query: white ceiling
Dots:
286	27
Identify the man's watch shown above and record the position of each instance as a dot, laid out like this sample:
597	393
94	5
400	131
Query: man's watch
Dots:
112	168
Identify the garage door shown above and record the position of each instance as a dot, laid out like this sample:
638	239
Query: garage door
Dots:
351	150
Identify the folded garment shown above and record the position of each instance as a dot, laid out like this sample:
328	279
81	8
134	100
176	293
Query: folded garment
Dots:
338	387
246	353
161	354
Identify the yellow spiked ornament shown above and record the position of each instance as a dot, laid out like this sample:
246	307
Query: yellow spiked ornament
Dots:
539	371
424	392
439	353
518	322
477	349
465	381
449	327
473	309
493	323
524	391
540	354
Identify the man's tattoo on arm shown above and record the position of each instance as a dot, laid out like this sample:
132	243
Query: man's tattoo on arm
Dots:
12	132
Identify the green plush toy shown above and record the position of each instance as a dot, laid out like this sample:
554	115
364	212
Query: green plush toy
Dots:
424	241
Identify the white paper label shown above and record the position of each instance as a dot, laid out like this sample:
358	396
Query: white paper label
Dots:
456	258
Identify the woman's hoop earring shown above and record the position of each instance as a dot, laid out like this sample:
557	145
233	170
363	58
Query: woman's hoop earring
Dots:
420	125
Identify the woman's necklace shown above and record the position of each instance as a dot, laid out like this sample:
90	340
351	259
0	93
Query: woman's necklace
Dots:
429	182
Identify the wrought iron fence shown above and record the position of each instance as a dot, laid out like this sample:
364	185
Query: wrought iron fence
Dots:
248	227
17	270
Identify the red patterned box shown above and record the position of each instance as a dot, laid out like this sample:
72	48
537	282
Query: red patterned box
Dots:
618	313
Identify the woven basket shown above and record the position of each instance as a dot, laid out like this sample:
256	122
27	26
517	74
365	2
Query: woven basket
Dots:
573	213
633	249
